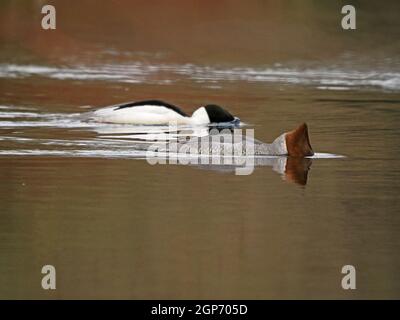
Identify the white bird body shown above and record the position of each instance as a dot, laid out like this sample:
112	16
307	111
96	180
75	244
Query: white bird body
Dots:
155	112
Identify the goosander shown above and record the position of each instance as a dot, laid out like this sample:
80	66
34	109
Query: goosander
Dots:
157	112
295	143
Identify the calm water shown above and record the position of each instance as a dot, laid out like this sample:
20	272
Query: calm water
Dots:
78	196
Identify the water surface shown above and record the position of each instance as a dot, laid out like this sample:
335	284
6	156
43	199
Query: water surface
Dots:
78	196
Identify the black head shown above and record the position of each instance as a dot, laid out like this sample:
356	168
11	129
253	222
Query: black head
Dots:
218	114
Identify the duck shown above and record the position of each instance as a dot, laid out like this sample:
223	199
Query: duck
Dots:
294	143
158	112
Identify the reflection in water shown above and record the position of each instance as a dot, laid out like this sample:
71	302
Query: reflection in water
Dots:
162	74
296	170
291	169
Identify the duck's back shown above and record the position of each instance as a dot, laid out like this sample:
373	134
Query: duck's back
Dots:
150	112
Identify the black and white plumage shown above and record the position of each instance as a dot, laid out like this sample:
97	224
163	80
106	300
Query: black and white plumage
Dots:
157	112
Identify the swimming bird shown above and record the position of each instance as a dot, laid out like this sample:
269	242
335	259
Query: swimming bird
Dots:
295	143
157	112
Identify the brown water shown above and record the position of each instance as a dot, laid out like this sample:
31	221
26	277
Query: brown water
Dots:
75	196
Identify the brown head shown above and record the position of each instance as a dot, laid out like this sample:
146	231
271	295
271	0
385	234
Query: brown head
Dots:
298	142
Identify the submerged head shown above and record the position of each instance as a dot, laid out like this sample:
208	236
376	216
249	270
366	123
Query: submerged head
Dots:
298	142
212	113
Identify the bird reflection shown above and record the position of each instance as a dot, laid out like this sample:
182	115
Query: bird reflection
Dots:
291	169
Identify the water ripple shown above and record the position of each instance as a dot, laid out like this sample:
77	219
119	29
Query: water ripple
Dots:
165	74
